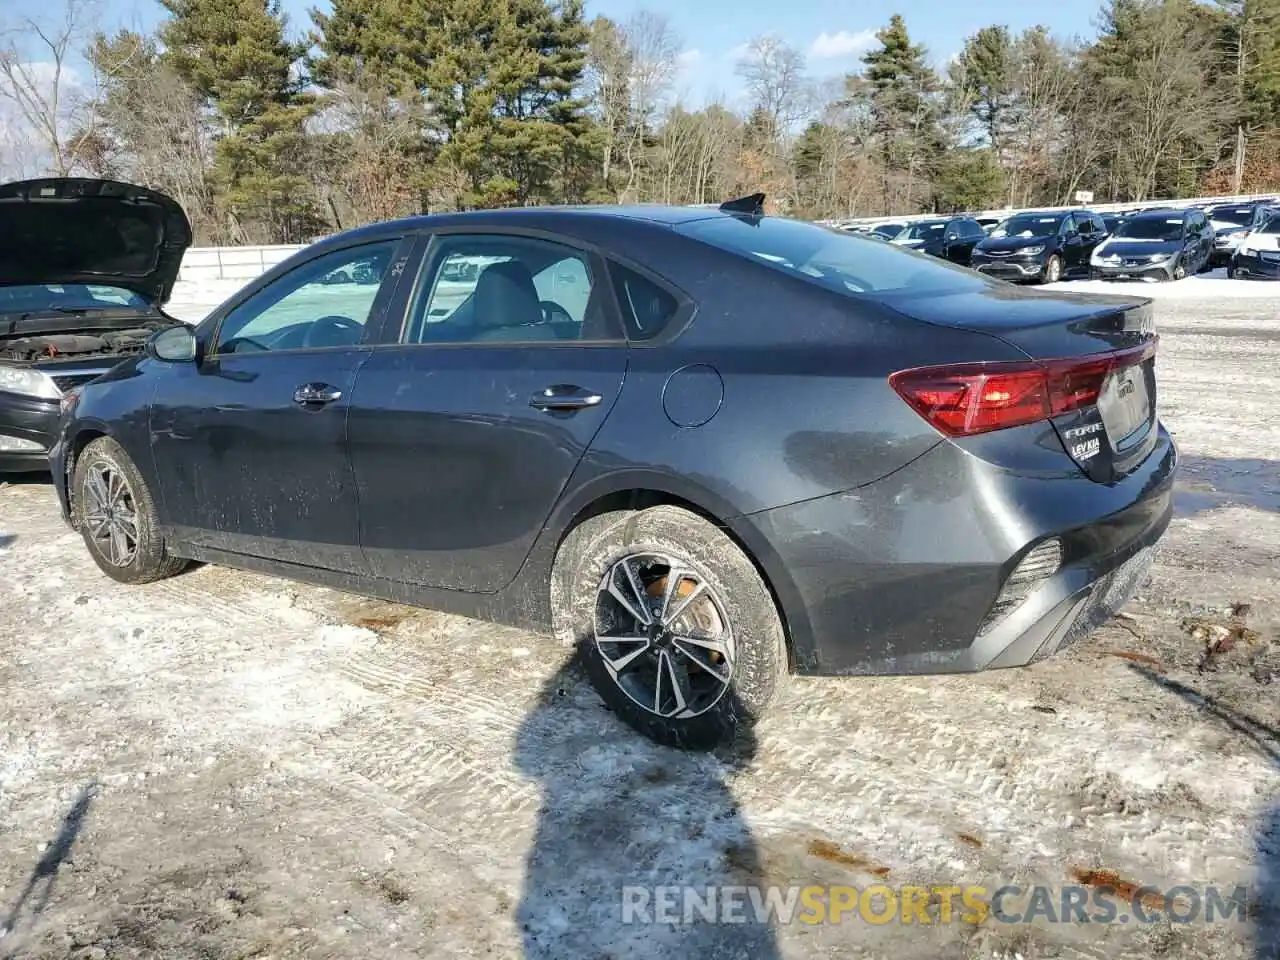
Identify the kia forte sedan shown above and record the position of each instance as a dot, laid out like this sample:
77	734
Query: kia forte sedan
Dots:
707	447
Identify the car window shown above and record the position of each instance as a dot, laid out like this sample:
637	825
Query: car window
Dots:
646	307
953	230
839	261
1069	226
929	230
495	288
1085	225
971	229
323	303
1029	225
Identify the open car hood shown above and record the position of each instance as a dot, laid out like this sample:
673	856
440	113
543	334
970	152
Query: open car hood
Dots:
72	230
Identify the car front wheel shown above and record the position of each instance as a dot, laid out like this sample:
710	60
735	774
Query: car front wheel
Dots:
116	515
677	631
1053	269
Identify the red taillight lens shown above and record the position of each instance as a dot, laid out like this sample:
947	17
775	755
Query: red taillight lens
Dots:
970	398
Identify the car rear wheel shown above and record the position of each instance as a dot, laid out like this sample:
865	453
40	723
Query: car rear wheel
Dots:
1053	269
116	515
677	631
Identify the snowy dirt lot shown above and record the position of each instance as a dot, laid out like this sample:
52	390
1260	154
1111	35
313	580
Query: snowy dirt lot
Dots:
226	765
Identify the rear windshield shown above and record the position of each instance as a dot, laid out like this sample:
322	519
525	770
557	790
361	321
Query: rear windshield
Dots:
841	261
1029	225
1270	226
1237	215
889	229
67	296
1151	228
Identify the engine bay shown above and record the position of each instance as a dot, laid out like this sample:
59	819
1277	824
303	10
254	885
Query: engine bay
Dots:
81	344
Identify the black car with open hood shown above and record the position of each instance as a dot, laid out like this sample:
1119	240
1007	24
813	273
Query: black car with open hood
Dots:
85	266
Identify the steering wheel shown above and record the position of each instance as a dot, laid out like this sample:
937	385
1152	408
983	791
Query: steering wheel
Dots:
552	312
332	324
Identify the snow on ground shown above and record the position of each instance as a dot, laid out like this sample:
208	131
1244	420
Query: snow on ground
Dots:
230	765
1204	287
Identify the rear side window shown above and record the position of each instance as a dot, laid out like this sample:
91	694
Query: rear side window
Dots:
840	261
646	307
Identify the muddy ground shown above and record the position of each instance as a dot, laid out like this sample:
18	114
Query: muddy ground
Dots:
231	766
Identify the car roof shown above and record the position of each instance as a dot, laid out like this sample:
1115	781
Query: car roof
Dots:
533	217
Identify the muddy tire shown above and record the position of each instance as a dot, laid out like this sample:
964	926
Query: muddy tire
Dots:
116	515
674	625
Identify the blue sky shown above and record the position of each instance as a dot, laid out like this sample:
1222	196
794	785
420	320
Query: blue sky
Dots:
713	31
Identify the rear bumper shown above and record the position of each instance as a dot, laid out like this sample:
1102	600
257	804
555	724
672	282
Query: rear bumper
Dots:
899	576
30	419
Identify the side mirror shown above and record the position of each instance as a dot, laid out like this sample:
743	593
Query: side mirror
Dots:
173	345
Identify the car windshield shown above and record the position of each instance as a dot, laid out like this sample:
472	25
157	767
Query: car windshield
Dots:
840	261
889	229
1239	216
923	231
1112	222
26	298
1029	225
1151	228
1271	225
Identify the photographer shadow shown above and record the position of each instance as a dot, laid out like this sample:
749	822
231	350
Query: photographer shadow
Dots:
627	831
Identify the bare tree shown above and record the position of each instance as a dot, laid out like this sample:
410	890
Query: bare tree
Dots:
146	125
35	77
608	88
376	140
774	74
1170	101
651	46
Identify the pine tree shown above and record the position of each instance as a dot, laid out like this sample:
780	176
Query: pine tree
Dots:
235	55
986	74
902	88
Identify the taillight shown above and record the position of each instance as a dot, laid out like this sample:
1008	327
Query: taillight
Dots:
964	399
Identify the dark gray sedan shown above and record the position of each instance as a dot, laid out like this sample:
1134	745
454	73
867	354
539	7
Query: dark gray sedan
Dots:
707	447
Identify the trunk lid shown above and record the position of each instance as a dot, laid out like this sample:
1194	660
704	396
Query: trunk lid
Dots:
1085	341
66	230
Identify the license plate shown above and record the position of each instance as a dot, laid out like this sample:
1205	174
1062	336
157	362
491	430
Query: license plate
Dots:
1124	404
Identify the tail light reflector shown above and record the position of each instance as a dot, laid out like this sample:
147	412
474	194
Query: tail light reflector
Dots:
965	399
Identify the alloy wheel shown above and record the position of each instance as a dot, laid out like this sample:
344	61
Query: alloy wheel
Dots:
110	515
663	636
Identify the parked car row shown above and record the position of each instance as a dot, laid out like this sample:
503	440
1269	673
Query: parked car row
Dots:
567	419
1156	242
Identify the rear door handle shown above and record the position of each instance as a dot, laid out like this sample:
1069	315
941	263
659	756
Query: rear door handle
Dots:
316	394
564	396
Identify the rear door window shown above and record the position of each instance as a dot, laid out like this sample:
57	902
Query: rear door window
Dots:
840	261
647	307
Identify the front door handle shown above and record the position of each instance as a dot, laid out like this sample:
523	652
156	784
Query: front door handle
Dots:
316	394
564	397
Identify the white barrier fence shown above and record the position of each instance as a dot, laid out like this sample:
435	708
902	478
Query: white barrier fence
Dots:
231	263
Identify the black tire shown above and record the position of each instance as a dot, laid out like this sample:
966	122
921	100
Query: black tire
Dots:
1179	272
758	665
149	560
1052	269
